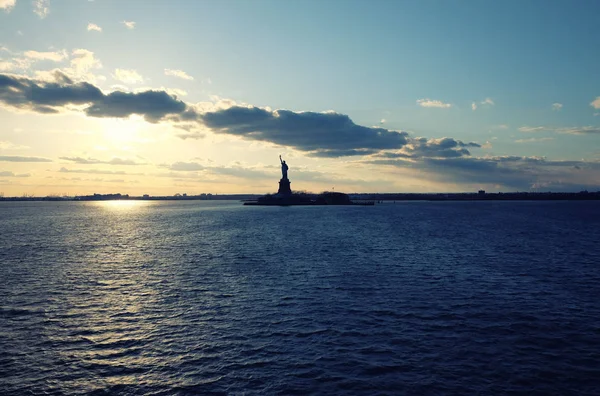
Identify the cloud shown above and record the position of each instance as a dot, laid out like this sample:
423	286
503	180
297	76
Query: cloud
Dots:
55	56
557	106
432	148
41	8
6	66
114	161
83	60
4	145
93	27
178	73
321	134
485	102
433	103
509	172
586	130
596	103
25	93
152	105
129	24
186	166
25	60
7	5
534	140
92	171
326	134
532	129
11	174
52	97
235	171
128	76
12	158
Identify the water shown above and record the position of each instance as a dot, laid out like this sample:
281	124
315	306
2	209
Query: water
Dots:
216	298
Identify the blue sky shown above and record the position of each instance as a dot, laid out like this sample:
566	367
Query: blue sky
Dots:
513	86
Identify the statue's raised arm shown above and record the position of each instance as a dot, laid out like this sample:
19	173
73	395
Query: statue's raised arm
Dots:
284	168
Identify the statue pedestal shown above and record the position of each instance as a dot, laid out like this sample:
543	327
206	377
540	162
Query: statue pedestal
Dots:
284	187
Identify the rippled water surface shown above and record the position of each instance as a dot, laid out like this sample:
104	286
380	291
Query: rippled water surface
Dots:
215	298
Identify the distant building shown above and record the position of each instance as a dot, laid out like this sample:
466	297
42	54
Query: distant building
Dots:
481	192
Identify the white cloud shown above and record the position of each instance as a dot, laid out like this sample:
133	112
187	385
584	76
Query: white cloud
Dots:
176	91
41	8
585	130
178	73
129	24
6	66
532	129
55	56
84	60
382	121
596	103
128	76
11	174
4	145
24	61
7	5
557	106
433	103
488	101
577	130
473	106
93	26
534	140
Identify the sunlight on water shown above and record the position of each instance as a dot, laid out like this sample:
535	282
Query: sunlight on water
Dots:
123	205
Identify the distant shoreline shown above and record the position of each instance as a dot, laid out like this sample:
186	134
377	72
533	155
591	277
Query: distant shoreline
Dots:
377	197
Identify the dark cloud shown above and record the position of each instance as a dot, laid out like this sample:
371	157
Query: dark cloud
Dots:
510	172
321	134
45	97
326	134
51	97
153	105
341	153
90	161
12	158
432	148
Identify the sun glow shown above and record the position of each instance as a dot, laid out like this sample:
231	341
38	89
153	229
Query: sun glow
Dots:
123	130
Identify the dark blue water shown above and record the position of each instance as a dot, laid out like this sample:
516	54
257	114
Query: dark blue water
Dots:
215	298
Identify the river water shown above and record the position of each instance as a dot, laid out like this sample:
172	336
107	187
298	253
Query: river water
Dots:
211	297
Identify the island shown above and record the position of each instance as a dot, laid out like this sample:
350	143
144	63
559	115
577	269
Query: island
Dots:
285	196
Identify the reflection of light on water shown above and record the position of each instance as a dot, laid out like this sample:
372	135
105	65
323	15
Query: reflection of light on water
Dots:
123	205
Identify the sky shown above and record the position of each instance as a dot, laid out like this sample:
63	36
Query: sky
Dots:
164	97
